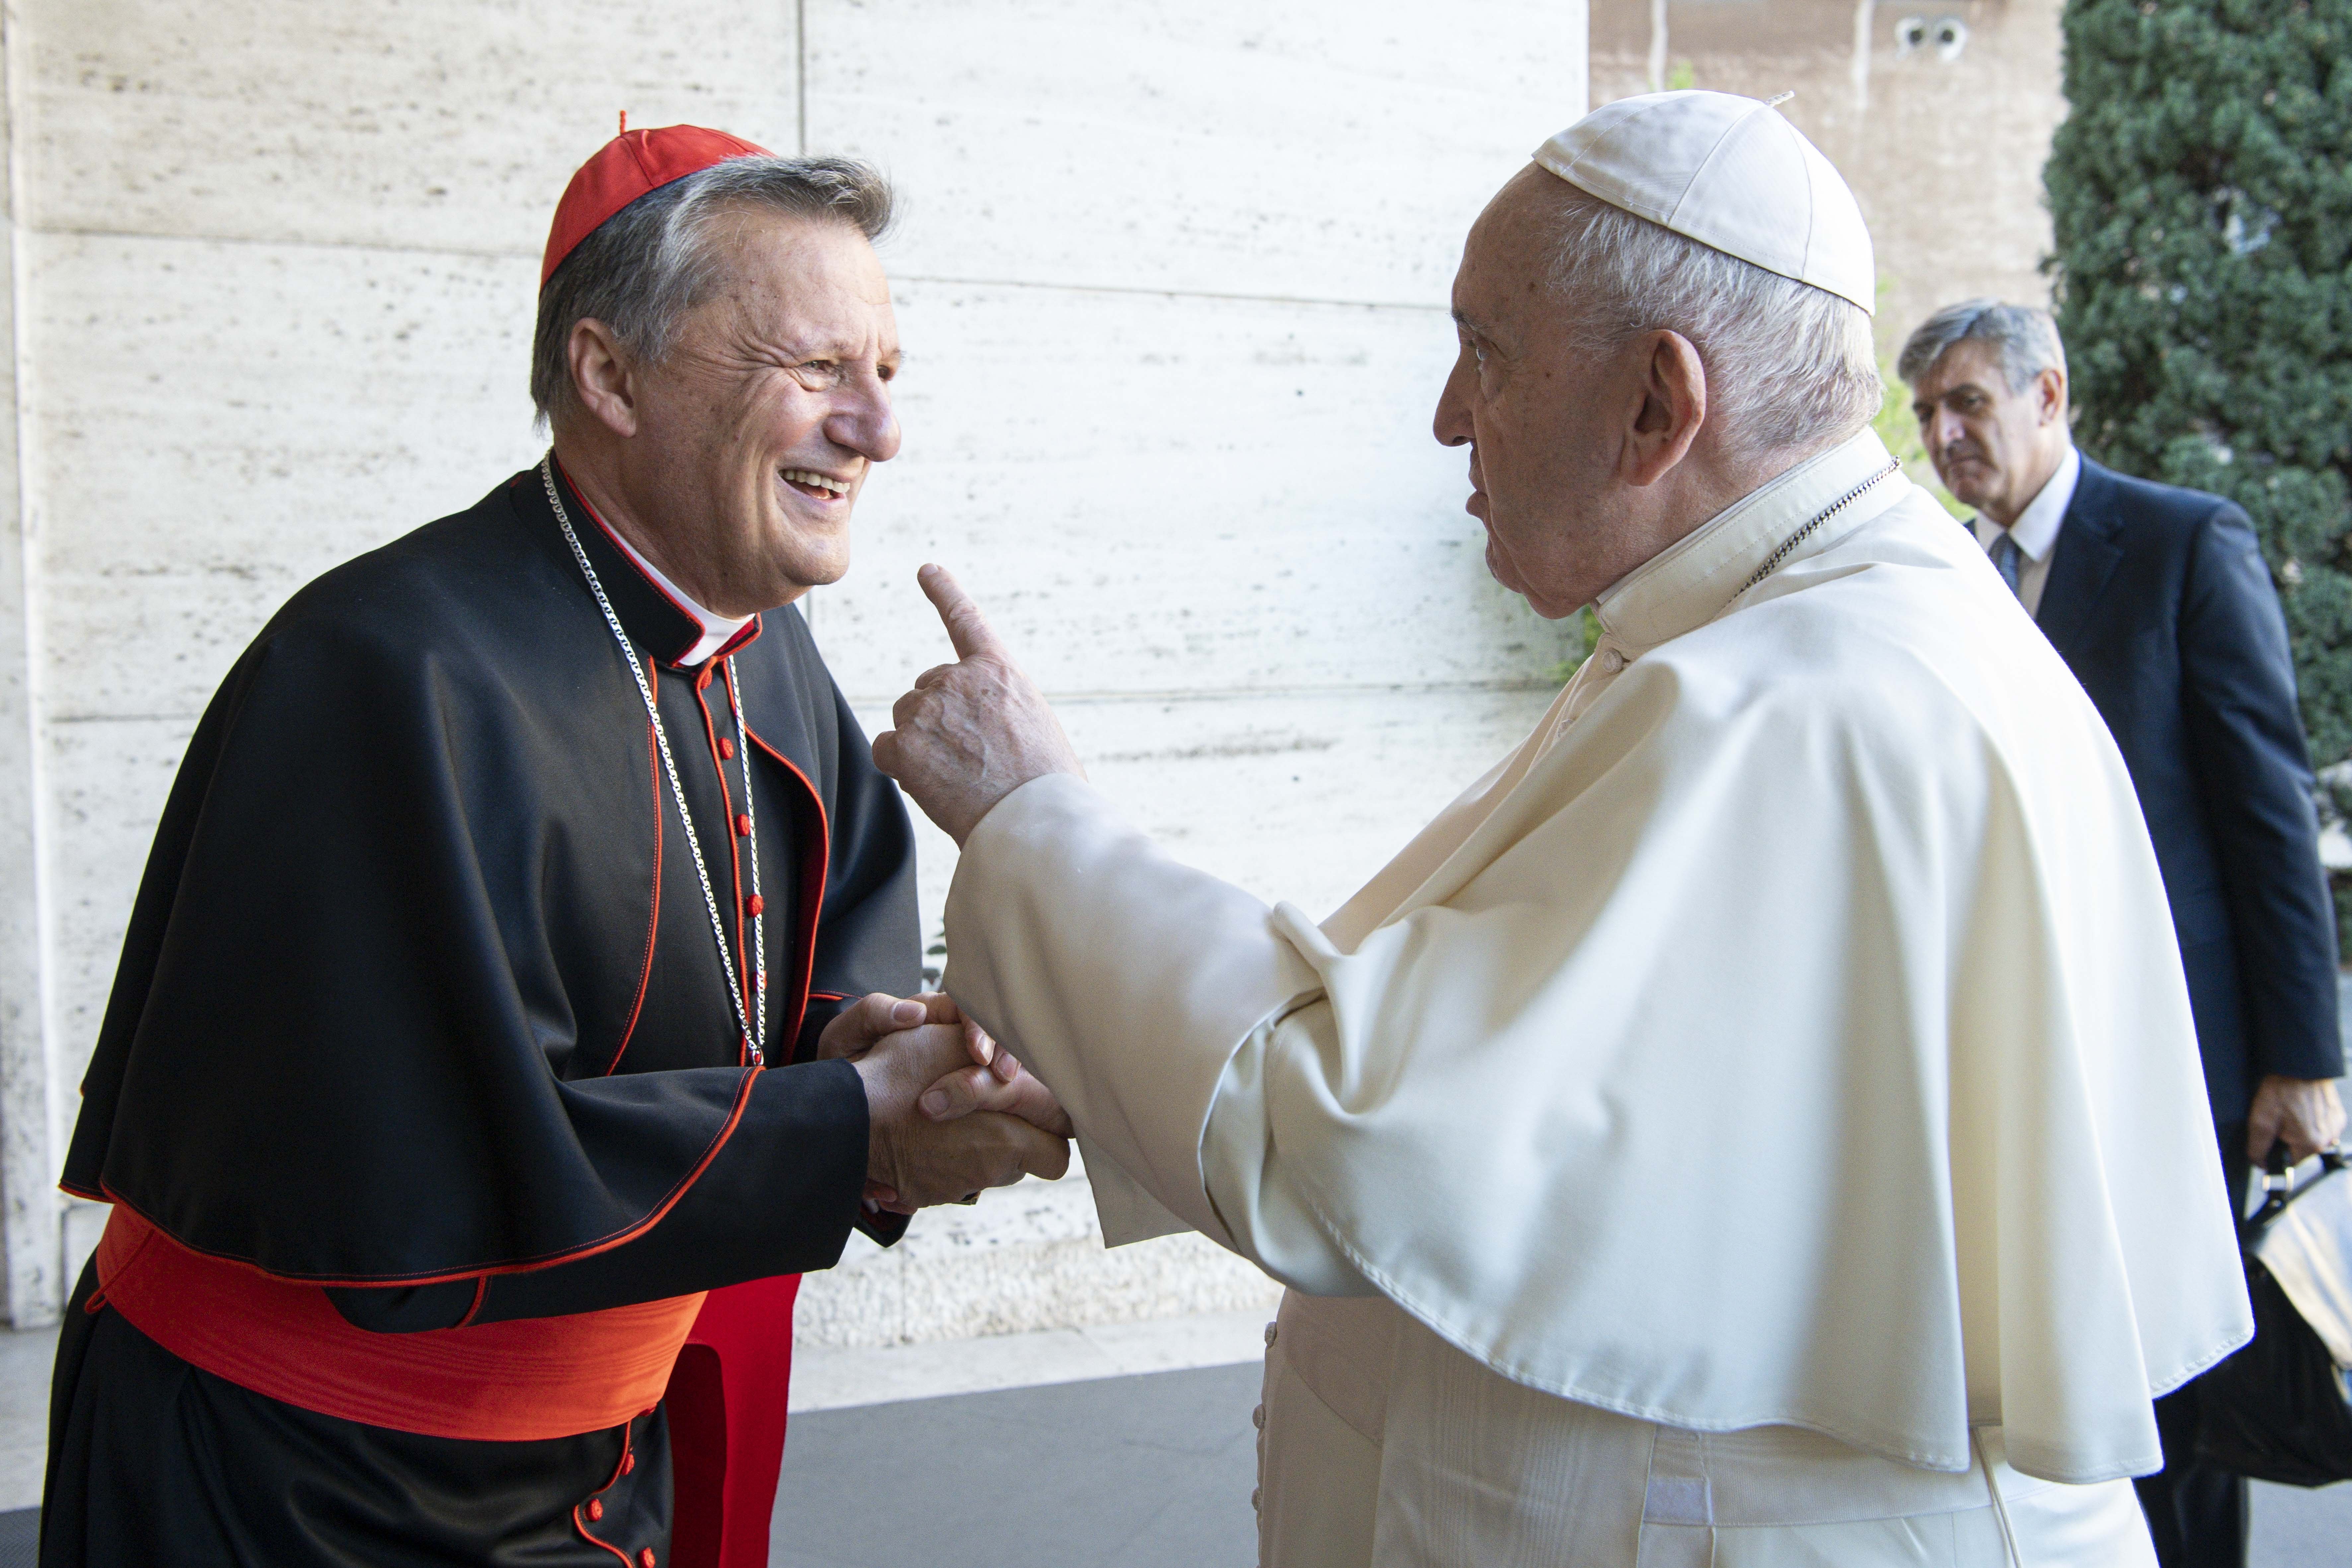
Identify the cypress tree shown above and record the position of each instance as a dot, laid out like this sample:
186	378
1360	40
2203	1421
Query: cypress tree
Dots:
2204	217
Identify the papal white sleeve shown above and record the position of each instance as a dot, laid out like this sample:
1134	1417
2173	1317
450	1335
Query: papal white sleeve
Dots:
1147	995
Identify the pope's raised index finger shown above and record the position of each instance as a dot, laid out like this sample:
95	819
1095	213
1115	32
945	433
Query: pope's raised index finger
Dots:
968	629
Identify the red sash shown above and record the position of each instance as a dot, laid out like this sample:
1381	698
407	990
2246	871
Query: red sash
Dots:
512	1381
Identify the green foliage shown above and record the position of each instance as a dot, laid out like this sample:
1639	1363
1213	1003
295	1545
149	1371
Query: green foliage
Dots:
2203	214
1588	637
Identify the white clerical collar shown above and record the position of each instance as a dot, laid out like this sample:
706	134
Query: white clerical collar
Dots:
718	631
1690	582
2036	528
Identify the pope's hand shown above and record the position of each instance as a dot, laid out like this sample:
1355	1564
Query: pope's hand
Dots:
970	733
991	1080
995	1080
904	1048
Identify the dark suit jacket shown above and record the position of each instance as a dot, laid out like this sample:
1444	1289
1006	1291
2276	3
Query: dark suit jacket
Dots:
2159	600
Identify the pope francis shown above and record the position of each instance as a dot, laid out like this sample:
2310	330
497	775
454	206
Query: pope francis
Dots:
1749	1125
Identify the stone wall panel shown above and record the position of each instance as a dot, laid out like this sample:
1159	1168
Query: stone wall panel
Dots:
107	782
1158	493
220	423
422	124
1318	151
1297	796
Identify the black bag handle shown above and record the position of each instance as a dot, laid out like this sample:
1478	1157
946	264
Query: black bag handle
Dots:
2279	1186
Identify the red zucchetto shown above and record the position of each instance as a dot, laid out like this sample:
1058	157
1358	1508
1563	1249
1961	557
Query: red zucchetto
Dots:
625	168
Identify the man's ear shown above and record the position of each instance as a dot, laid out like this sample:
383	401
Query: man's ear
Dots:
2050	397
603	377
1673	406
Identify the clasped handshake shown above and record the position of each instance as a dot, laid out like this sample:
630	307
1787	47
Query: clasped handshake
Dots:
948	1112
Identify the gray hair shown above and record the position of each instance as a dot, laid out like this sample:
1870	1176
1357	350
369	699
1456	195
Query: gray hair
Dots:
653	261
2026	337
1789	365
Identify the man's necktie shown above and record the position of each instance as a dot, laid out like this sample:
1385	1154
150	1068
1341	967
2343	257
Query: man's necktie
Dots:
2004	558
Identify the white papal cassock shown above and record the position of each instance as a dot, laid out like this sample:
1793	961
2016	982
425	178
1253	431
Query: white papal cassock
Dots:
1759	1122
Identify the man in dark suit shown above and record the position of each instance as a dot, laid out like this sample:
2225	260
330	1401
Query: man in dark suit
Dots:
2159	601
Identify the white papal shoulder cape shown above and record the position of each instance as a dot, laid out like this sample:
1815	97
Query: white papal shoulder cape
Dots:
1791	1031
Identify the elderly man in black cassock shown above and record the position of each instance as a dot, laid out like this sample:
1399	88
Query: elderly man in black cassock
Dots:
516	999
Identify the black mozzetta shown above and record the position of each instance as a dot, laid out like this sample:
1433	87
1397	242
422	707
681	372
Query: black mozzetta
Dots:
420	986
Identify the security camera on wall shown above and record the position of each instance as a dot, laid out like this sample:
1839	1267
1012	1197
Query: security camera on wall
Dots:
1948	36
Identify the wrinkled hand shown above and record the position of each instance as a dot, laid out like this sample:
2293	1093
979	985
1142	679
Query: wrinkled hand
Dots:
874	1016
970	733
901	1049
2304	1111
992	1080
995	1080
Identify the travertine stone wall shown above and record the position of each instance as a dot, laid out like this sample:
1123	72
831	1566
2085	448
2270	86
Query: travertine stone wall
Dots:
1171	282
28	1212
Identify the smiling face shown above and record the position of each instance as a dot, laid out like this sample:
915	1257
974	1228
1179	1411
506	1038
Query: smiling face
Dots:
754	434
1993	449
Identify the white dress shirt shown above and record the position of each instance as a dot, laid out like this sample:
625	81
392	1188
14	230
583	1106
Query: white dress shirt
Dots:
2036	529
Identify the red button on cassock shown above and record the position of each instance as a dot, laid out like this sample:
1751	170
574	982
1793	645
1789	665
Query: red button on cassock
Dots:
742	824
595	1508
646	1558
755	904
726	747
628	1463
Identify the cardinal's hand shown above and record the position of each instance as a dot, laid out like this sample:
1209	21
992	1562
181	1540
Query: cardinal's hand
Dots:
970	733
874	1016
921	1150
991	1080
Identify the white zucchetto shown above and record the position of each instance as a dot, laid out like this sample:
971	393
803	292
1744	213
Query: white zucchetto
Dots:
1729	173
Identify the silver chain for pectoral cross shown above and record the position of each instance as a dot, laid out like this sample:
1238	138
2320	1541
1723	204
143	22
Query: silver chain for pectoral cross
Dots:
754	1024
1773	561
